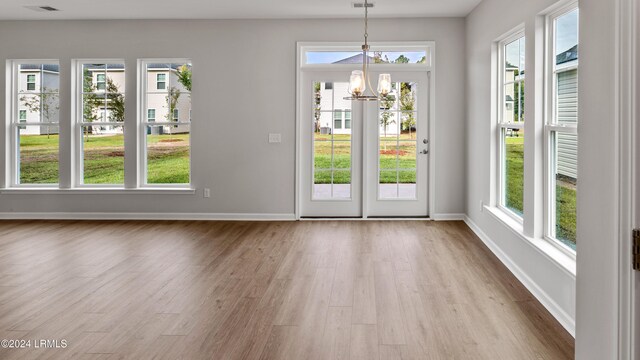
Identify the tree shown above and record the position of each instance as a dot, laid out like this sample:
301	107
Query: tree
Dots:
386	118
407	106
45	103
172	99
422	60
402	60
184	76
115	102
317	105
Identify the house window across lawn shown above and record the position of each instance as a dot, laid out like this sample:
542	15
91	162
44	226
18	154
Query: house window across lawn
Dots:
34	146
561	129
337	119
165	143
511	125
161	81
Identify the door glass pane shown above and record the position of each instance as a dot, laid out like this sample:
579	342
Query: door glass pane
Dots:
565	166
398	143
103	154
331	141
513	170
38	154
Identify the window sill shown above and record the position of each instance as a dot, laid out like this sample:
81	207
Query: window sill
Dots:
97	191
564	261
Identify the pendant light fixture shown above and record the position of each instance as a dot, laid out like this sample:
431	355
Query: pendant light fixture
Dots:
360	78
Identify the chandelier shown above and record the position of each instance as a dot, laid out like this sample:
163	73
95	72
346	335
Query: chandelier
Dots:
360	78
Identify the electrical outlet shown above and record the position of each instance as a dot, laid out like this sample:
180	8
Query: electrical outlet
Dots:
275	138
207	193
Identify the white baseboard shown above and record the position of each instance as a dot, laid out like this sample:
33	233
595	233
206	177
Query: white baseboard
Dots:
565	320
448	217
144	216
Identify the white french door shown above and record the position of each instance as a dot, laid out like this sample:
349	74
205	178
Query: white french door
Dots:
361	159
397	149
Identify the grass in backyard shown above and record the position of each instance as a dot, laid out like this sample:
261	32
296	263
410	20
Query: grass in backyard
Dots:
393	155
168	159
565	193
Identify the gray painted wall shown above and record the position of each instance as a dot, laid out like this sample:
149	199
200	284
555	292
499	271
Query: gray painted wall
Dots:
238	99
553	282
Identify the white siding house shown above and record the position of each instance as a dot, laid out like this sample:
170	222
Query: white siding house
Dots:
567	103
42	82
38	84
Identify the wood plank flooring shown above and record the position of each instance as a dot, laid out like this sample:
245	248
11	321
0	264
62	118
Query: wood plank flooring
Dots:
265	290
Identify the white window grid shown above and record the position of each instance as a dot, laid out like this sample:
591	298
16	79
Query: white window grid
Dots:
16	123
552	128
80	124
503	124
144	91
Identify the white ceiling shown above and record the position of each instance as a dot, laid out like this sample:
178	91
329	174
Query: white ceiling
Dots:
228	9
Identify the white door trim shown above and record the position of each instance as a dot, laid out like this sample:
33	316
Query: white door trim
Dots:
628	138
430	45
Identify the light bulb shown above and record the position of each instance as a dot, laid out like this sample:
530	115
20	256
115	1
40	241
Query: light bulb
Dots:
384	84
356	83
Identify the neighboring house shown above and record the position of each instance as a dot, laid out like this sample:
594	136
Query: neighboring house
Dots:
567	148
161	77
34	84
332	97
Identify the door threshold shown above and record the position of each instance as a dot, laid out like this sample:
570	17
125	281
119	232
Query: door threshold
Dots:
370	218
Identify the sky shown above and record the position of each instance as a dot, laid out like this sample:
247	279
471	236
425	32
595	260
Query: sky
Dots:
328	57
567	32
566	38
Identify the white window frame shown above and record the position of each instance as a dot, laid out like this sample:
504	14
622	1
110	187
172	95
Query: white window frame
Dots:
143	86
14	122
502	125
78	123
551	126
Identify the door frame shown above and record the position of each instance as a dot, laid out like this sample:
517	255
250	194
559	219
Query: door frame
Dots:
302	47
628	176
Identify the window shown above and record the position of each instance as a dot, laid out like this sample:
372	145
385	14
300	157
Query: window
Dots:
561	129
101	82
31	82
337	119
151	115
511	125
34	124
100	123
378	56
161	81
165	141
347	119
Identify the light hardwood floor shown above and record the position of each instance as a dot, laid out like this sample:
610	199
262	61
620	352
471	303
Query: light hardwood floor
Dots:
266	290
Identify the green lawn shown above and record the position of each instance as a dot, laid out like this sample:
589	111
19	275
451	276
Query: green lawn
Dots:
168	159
565	193
393	156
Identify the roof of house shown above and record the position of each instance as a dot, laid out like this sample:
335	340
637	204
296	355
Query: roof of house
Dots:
45	67
355	59
567	56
